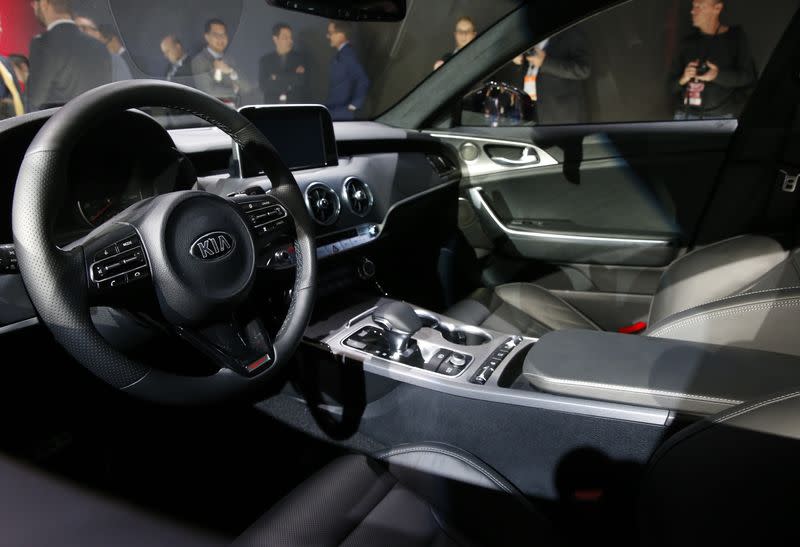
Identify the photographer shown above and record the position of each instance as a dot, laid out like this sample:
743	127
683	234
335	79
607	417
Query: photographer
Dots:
714	70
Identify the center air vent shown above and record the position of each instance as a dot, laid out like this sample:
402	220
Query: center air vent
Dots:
323	203
358	196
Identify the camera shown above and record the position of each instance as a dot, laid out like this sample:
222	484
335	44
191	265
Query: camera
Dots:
702	68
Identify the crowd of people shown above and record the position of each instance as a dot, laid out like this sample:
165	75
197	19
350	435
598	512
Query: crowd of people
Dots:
95	55
713	69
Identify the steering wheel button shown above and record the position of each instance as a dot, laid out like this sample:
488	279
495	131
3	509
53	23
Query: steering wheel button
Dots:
113	283
128	243
108	252
137	274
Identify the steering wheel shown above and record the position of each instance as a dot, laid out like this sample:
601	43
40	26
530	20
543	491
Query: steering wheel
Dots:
197	252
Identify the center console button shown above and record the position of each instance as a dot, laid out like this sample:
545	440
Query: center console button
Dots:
437	359
458	360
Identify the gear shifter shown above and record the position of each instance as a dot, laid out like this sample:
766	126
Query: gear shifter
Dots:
400	321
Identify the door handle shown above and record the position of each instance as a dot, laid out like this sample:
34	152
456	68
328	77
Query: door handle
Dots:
528	157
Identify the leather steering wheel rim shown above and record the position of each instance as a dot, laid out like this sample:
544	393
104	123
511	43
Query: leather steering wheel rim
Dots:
56	278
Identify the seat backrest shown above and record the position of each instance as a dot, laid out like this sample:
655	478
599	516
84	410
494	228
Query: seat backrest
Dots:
728	480
726	268
742	292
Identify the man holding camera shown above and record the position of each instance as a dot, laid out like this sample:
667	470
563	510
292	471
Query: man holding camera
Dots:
713	73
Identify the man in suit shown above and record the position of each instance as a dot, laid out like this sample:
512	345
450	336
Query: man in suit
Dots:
173	51
120	69
214	71
282	73
349	84
64	61
557	70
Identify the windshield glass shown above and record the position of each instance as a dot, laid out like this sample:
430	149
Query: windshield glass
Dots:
242	51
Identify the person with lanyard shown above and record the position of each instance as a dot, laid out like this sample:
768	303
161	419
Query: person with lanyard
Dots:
714	69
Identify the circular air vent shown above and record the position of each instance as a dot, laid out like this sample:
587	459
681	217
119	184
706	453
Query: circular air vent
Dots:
358	196
323	203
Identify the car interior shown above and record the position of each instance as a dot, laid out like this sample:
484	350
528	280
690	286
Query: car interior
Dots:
280	329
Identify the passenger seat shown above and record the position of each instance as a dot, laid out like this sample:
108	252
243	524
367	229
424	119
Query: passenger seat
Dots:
743	291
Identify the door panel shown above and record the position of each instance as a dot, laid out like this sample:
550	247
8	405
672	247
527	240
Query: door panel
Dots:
599	214
628	195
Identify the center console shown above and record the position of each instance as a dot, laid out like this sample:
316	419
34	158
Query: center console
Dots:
418	347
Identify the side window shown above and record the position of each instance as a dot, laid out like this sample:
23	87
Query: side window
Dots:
647	60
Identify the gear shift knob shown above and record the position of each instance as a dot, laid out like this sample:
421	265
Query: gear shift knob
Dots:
400	321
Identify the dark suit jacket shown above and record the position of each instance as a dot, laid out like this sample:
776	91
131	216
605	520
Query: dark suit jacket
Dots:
65	63
203	69
561	97
286	80
348	84
182	70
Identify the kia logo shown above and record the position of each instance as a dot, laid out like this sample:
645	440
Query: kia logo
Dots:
213	246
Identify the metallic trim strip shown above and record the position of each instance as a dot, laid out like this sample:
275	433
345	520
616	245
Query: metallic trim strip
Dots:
415	196
33	321
484	165
479	203
545	401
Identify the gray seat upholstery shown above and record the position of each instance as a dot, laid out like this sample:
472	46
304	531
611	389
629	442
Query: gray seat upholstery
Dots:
743	291
424	494
519	308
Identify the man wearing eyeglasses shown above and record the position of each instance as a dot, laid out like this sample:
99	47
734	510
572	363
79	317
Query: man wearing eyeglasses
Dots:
348	84
214	70
64	62
465	33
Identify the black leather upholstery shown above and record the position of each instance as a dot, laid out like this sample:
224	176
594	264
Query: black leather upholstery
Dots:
744	291
519	308
728	480
429	494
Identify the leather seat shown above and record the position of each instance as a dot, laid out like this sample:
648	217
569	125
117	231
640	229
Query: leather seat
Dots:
743	291
726	480
424	494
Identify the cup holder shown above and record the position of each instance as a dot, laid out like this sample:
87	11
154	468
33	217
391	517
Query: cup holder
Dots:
461	335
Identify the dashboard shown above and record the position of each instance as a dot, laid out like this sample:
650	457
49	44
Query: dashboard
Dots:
374	194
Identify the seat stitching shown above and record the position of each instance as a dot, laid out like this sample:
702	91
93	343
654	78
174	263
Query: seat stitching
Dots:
756	406
459	457
724	313
737	295
723	299
630	389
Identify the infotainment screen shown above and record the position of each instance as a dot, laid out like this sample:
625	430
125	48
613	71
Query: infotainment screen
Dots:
302	134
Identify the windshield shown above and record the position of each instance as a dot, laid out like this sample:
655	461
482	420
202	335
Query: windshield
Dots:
242	51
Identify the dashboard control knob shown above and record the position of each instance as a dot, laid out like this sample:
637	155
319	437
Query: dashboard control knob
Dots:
366	270
373	231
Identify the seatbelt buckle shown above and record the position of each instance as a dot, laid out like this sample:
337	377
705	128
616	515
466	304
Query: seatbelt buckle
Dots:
636	328
790	180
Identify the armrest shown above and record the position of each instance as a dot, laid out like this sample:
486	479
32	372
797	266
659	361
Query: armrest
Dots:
668	374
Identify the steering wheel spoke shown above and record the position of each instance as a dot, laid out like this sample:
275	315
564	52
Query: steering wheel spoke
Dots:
117	264
243	346
268	219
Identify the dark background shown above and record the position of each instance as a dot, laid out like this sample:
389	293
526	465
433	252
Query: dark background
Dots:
632	46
